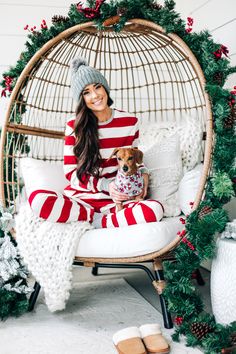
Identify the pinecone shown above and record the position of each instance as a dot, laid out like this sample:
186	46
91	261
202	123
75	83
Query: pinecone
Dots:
157	6
232	348
121	11
59	18
233	338
229	121
219	78
111	21
204	211
200	329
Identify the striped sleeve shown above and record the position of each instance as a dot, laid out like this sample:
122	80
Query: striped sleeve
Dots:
90	183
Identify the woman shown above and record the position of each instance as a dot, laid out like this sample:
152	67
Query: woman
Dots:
90	139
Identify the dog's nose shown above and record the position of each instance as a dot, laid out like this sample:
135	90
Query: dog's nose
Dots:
125	168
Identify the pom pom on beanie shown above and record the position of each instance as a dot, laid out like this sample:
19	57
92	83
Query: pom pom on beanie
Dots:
76	63
82	75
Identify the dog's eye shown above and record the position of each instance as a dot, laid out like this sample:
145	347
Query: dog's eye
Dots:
130	158
118	158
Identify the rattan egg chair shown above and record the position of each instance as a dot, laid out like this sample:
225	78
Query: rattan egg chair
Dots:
152	74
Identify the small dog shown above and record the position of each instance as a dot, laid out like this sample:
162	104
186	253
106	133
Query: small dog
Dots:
129	179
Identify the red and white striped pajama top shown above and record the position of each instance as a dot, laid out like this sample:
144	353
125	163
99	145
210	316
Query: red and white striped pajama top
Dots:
81	200
121	130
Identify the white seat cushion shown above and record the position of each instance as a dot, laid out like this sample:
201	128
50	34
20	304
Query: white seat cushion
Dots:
131	241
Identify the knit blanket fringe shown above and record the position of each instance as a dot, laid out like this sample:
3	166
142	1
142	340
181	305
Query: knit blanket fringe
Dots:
48	250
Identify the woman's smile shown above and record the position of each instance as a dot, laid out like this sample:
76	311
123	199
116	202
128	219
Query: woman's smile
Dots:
98	102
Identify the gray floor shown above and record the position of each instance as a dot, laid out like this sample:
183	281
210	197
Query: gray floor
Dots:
139	280
93	314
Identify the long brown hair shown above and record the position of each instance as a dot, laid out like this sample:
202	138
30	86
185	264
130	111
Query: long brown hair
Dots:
86	147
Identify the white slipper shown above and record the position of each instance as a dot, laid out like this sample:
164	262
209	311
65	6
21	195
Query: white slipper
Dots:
129	341
153	339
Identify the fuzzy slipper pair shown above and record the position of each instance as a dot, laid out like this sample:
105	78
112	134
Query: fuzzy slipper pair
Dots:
145	339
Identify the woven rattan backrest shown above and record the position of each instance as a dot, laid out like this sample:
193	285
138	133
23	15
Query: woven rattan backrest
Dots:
150	73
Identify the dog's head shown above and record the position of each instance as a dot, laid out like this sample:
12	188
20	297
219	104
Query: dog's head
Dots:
128	159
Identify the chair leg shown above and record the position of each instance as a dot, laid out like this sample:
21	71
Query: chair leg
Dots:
95	270
33	296
159	285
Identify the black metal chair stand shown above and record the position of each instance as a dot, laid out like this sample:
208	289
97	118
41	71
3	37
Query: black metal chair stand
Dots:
34	296
157	277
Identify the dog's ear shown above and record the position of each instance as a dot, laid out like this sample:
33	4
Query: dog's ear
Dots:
138	154
114	152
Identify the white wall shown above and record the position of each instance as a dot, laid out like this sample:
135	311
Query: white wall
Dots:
218	17
14	15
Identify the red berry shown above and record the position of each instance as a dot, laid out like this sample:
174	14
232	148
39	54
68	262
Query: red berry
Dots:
190	21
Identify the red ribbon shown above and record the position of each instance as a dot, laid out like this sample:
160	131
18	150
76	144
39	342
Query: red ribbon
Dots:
88	12
222	50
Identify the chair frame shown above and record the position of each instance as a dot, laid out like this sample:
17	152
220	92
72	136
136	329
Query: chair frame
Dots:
166	252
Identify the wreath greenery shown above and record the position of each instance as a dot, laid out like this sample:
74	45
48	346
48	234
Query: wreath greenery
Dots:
210	217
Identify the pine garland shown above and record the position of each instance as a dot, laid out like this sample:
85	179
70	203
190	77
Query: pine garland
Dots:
13	274
197	238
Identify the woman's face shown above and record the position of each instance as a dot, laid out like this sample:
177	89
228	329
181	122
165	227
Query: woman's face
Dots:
95	97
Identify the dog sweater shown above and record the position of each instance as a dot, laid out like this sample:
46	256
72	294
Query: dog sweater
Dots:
131	185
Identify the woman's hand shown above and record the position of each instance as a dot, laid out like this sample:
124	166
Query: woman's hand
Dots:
143	194
115	195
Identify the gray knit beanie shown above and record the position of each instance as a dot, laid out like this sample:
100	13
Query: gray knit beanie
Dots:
83	75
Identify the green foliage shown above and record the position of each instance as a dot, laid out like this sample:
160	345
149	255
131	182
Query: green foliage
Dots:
12	303
210	223
221	110
224	151
13	274
216	93
222	185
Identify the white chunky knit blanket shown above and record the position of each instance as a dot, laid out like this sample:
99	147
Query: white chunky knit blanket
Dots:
48	249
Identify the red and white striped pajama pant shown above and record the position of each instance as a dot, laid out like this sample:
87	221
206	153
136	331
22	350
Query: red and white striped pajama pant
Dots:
57	207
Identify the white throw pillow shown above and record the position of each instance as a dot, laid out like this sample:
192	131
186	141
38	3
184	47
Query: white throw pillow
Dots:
189	129
163	159
39	174
190	133
188	188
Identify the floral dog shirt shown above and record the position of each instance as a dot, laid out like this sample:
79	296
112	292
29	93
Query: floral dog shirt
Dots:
131	185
